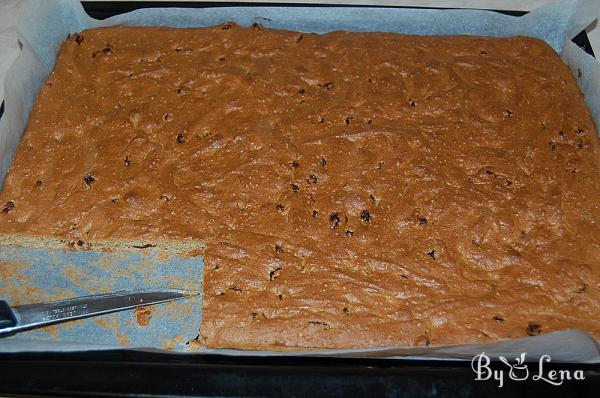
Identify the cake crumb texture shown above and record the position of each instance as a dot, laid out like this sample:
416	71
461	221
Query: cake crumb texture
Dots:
352	189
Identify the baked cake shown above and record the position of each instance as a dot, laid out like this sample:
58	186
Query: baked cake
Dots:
352	189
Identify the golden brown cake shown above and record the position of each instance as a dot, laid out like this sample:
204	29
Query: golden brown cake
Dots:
352	189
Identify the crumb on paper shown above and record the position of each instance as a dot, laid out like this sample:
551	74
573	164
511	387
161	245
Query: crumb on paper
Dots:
172	343
143	315
123	339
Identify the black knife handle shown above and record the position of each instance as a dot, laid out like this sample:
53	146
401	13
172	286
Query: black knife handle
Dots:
7	316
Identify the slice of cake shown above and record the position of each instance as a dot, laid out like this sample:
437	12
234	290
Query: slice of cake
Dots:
352	189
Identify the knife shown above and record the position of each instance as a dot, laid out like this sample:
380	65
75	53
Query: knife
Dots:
29	316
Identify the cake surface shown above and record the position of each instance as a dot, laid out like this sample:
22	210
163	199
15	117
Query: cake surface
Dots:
352	189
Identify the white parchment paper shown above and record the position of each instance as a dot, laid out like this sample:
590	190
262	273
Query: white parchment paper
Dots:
42	26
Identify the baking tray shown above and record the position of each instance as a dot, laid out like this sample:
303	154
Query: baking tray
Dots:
124	372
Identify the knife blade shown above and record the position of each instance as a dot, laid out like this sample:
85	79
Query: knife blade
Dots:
29	316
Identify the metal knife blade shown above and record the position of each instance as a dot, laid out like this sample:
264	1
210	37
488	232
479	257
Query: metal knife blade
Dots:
31	316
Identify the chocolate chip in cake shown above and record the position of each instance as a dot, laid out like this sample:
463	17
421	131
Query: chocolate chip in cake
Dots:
178	49
571	167
326	85
349	233
89	180
482	52
582	289
315	213
256	26
235	288
295	187
508	113
412	102
278	249
431	254
422	220
552	146
280	296
167	117
533	329
312	178
346	310
280	207
105	50
274	274
325	325
580	131
380	165
180	138
321	118
78	38
365	216
334	220
301	91
348	119
8	207
295	164
80	243
323	162
227	26
144	246
499	318
127	161
39	183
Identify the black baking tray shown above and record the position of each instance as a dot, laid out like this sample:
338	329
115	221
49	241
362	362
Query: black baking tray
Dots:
125	373
122	373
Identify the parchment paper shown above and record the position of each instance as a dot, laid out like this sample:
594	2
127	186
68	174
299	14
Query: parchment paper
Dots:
43	274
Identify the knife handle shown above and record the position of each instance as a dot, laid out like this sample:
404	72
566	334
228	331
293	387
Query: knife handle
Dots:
7	316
